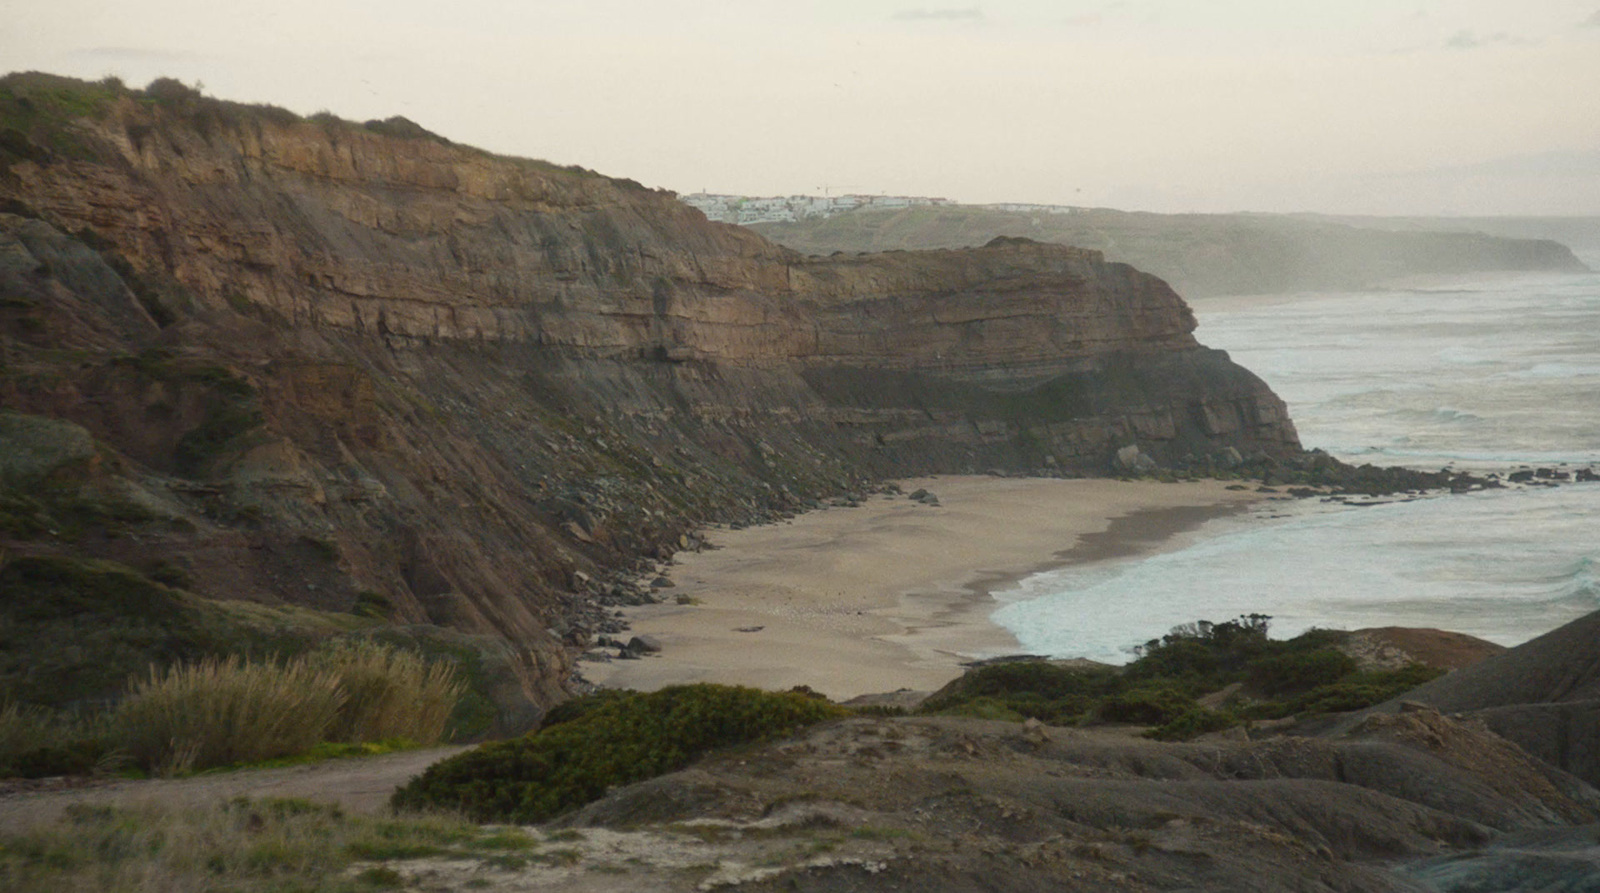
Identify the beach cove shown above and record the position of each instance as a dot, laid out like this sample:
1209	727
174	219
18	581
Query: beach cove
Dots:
893	594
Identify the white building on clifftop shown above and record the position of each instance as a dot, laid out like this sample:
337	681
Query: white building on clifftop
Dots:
743	209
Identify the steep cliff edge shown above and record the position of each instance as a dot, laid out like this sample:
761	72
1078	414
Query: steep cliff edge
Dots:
361	369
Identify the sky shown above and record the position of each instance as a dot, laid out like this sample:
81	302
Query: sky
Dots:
1354	107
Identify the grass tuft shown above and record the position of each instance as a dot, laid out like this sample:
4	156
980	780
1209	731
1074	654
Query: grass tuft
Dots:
223	711
389	693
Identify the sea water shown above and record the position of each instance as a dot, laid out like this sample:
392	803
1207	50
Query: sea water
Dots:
1482	374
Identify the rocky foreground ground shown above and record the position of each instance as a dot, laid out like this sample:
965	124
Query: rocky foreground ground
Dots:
952	804
1399	798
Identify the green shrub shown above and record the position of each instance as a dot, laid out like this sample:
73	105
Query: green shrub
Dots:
1208	653
579	707
388	693
1041	678
172	91
221	712
1357	691
1299	671
1024	689
1363	690
1306	673
984	707
628	739
1180	657
1193	722
1147	706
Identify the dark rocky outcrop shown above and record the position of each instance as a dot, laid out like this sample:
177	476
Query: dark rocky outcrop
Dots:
357	368
1544	695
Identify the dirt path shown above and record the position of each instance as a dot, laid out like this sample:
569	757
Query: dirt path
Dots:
359	785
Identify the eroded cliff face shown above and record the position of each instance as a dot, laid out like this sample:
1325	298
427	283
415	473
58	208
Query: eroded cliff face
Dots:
383	372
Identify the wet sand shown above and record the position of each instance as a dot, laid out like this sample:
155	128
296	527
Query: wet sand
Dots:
893	594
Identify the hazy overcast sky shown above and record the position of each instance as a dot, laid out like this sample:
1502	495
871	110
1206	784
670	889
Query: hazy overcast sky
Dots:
1359	106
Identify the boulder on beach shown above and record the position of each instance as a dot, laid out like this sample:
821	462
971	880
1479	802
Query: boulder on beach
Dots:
644	645
1132	459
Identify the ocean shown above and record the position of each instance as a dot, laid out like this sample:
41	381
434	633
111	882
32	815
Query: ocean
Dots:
1484	374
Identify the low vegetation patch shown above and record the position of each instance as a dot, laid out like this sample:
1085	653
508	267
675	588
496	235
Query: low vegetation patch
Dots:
247	846
1353	691
613	740
74	630
39	743
76	634
1276	678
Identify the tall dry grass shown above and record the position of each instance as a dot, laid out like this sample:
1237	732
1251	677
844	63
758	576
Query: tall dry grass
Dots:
389	693
219	712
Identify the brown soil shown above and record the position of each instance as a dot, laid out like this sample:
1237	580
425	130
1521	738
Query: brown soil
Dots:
1389	647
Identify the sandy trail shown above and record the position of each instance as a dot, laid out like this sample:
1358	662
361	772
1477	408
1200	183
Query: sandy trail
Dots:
359	785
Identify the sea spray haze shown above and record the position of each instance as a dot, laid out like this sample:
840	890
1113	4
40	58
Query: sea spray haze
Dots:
1490	373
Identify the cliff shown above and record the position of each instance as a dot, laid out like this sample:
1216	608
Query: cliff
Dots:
362	370
1212	254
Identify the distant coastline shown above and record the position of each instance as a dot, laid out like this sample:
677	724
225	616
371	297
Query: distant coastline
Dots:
1200	255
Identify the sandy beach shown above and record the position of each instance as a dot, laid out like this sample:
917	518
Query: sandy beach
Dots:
893	594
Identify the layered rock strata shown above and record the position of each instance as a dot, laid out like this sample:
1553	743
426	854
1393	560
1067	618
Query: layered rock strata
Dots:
364	366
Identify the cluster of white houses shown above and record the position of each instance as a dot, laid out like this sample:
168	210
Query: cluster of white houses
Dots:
744	209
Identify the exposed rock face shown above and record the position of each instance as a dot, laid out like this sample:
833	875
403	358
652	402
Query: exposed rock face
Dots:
478	387
1543	694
